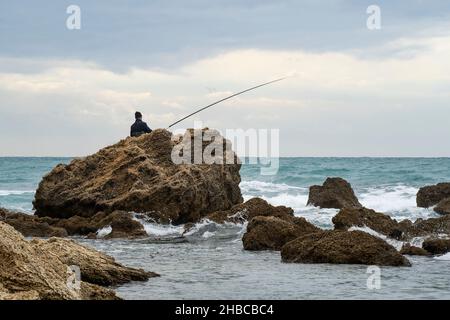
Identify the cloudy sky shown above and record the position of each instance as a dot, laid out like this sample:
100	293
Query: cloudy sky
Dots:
356	92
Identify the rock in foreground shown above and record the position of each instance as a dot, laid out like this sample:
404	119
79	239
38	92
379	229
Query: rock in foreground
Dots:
334	193
430	195
95	267
271	233
40	269
138	175
342	247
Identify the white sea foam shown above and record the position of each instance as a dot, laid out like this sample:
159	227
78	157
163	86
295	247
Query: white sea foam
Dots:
15	192
395	243
295	201
394	198
445	257
208	234
104	231
161	230
398	201
262	186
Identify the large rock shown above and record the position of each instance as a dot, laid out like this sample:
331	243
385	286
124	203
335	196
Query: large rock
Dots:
39	269
436	246
95	267
334	193
443	207
342	247
271	233
430	195
138	174
251	208
363	217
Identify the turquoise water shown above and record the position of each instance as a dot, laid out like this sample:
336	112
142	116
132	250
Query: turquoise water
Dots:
19	177
211	263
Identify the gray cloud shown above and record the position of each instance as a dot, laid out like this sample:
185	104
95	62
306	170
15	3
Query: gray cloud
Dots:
168	33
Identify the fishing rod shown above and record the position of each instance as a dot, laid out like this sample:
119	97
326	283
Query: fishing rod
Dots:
229	97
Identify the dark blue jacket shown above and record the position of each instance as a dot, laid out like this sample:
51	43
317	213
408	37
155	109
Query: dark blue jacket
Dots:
139	127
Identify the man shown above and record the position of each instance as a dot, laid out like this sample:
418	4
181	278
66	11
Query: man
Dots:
139	127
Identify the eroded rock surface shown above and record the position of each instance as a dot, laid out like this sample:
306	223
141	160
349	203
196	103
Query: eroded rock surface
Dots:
246	211
271	233
39	269
430	195
363	217
334	193
443	207
342	247
138	175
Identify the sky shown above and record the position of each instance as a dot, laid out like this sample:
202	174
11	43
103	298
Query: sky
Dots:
353	91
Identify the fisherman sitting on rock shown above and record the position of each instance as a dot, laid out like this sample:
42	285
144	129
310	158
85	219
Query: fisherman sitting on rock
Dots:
139	127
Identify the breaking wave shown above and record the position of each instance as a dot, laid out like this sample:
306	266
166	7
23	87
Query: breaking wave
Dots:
15	192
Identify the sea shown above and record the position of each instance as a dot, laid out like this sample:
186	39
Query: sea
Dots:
209	261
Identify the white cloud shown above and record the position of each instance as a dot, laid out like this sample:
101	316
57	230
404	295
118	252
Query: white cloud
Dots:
72	97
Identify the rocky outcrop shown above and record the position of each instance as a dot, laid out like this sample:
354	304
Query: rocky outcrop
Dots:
430	195
122	223
428	228
246	211
404	230
363	217
443	207
437	246
334	193
408	249
40	269
95	267
271	233
31	226
342	247
138	175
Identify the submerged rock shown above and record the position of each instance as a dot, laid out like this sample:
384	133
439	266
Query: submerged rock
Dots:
363	217
430	195
334	193
437	246
28	272
408	249
342	247
271	233
39	269
138	175
443	207
251	208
